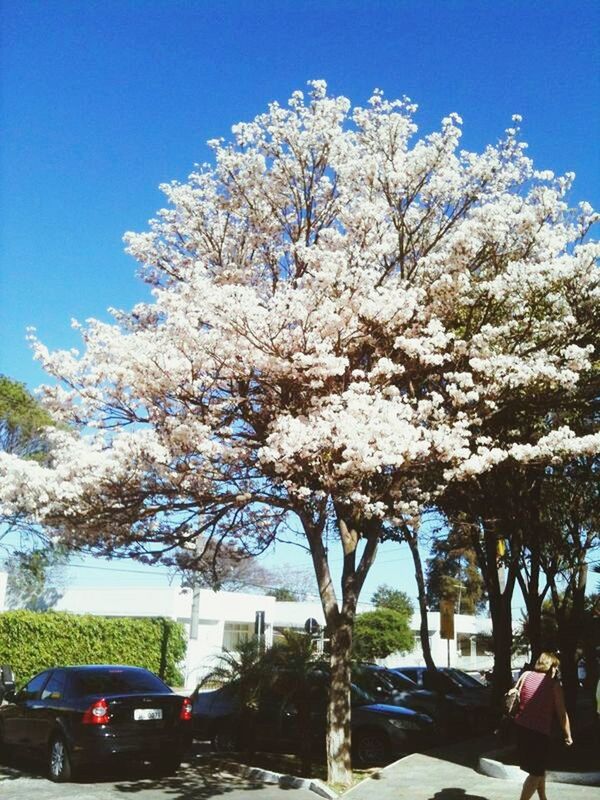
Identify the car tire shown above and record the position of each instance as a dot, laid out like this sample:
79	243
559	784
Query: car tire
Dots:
167	765
59	760
371	746
4	749
7	674
225	741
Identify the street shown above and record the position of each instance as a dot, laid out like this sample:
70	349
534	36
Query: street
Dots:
197	780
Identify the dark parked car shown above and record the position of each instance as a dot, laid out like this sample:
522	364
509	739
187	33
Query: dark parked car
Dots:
391	687
447	679
452	713
459	689
379	731
7	683
75	716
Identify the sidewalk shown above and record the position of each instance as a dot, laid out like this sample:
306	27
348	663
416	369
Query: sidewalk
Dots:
449	774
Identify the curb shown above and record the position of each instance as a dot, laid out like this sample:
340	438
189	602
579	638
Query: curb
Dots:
376	775
289	781
490	764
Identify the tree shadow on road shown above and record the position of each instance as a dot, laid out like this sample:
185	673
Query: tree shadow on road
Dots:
197	779
13	768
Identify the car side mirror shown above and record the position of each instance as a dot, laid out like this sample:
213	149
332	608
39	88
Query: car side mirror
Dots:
10	695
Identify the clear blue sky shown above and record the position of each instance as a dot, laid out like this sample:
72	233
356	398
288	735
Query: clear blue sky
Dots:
102	101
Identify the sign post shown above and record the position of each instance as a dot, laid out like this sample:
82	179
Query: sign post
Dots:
259	628
447	622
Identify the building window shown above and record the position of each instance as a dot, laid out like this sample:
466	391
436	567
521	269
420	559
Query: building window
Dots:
235	633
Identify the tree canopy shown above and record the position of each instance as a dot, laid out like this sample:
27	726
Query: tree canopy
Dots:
452	573
35	578
22	420
379	633
345	320
23	424
387	597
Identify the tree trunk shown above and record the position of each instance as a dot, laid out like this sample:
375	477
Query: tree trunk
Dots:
305	749
529	581
339	764
533	602
570	622
500	612
339	624
499	598
411	538
568	666
534	625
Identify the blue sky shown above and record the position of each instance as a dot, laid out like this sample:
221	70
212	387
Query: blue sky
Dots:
102	101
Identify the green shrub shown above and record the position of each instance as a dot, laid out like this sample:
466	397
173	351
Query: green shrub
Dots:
31	641
380	633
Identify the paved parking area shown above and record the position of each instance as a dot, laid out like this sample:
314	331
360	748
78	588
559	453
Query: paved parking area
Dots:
444	774
195	781
448	774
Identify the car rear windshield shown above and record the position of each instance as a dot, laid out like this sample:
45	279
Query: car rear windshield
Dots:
400	682
116	681
464	679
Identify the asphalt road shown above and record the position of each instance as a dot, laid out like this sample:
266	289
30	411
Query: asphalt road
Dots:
194	781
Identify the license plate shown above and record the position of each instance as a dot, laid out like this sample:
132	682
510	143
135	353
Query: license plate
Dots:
147	713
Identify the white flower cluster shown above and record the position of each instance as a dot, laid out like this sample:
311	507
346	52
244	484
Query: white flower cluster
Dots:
338	310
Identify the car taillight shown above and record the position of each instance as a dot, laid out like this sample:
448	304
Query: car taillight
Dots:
186	709
97	713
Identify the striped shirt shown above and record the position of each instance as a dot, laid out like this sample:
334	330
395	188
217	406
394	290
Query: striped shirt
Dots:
536	706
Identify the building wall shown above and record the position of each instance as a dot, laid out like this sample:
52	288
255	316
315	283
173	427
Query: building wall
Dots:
226	617
467	630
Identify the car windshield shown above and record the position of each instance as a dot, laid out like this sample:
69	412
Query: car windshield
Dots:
400	682
372	681
359	697
116	681
409	674
464	679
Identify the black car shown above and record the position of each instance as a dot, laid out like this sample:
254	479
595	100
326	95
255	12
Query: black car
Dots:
448	680
379	731
391	687
454	714
7	683
71	717
460	690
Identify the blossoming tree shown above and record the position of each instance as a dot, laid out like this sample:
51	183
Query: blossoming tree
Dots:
337	311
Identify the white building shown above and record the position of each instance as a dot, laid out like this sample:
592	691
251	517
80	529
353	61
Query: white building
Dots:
227	618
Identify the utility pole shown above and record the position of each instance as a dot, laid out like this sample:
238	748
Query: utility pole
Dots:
447	623
460	586
196	585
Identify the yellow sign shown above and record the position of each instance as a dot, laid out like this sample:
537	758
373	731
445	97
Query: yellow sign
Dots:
447	619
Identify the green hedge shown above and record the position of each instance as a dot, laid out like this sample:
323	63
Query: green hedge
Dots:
31	641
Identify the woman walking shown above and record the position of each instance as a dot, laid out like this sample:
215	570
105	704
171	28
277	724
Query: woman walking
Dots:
540	699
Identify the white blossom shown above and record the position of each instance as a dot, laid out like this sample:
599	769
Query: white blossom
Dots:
337	307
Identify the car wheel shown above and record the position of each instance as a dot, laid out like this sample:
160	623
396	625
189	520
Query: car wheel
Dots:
225	741
471	723
59	761
371	747
167	765
3	745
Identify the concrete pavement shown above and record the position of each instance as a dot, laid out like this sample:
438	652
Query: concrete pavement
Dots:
449	774
194	781
444	774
